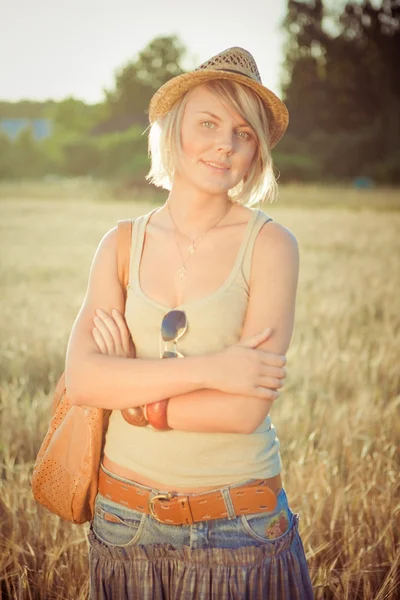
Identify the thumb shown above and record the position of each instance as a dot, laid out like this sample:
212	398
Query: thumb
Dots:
255	340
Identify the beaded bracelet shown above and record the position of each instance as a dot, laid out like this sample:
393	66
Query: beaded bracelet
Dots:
135	416
156	414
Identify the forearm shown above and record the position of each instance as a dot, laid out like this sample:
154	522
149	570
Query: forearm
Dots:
115	383
208	410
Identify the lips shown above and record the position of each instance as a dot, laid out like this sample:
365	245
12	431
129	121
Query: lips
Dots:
216	165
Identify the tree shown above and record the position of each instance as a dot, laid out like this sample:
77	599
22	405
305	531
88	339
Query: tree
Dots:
74	116
344	78
160	61
28	157
25	109
137	81
7	165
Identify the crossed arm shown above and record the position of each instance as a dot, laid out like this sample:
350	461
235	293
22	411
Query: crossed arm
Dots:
93	378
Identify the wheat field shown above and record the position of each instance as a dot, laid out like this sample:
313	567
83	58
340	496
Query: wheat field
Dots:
337	416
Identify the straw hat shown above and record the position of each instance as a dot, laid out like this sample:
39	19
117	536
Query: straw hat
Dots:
235	64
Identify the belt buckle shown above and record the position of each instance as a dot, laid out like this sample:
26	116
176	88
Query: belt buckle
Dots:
158	497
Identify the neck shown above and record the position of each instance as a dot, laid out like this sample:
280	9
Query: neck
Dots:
194	210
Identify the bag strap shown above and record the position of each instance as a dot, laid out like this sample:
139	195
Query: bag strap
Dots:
124	235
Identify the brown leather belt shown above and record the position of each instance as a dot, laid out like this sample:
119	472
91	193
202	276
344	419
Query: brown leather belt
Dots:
171	509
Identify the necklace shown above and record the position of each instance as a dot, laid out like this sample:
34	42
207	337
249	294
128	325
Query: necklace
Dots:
193	243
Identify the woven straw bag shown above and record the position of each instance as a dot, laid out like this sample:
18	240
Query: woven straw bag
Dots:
65	474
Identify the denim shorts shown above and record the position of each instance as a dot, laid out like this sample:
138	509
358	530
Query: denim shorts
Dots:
117	525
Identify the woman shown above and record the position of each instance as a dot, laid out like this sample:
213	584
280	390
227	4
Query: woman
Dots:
191	502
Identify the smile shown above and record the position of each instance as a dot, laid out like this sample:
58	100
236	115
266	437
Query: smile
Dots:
216	166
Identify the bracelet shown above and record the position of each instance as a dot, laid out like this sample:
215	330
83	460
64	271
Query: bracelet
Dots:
156	413
135	416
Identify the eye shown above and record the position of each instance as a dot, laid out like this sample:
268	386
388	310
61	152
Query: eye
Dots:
244	134
208	124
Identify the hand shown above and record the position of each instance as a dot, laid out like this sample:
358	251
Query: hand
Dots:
112	335
242	369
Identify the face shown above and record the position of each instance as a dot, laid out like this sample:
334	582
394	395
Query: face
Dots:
218	145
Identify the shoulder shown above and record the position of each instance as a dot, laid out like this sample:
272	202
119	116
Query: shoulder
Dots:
109	239
275	249
108	242
274	235
107	246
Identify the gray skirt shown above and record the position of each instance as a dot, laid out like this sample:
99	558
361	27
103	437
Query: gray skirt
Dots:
250	557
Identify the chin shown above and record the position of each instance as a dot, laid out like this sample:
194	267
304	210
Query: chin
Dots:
215	190
212	187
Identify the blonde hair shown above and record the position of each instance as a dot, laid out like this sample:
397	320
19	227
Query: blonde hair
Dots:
260	183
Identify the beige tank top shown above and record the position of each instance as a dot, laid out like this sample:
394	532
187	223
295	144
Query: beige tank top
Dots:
181	458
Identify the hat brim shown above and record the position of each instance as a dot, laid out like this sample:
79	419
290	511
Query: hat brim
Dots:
166	96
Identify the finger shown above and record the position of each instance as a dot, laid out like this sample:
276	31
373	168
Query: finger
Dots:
98	338
271	371
272	382
271	358
123	330
113	330
256	339
106	335
267	393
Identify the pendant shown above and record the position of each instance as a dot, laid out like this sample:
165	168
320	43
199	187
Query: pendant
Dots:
182	273
192	248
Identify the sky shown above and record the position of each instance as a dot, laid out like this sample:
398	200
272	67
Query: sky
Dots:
51	49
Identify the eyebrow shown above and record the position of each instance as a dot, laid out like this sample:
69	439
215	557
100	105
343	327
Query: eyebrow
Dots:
206	112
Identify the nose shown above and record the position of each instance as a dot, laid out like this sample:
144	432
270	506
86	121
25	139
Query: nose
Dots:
225	142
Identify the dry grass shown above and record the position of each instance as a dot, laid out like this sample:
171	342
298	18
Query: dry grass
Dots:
337	417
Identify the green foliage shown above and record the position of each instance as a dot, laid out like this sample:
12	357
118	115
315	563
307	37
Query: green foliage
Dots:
386	171
6	158
114	155
25	109
297	167
160	61
23	158
342	87
102	140
81	158
28	154
130	95
71	115
124	154
136	82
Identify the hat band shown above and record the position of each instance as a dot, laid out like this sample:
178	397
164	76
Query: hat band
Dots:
231	71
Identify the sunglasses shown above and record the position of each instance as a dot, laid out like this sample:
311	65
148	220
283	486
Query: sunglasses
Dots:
173	326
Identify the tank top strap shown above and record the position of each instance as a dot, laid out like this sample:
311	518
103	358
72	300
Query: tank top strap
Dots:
258	222
138	228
